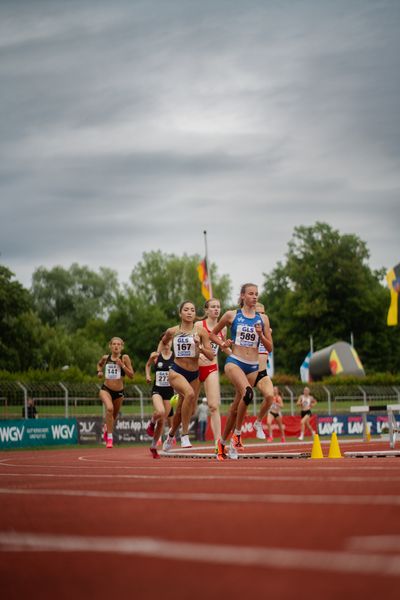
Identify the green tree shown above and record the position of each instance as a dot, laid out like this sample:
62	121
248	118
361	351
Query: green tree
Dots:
326	289
165	280
71	297
159	283
15	301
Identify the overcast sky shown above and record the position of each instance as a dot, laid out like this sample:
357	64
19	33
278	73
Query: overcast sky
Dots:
131	126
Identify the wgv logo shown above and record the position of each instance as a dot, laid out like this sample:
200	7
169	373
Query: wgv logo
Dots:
63	432
11	434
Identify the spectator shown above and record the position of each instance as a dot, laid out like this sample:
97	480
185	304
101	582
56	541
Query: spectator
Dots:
32	412
202	418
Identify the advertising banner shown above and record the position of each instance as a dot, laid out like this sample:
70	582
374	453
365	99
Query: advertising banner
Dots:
323	424
25	433
90	430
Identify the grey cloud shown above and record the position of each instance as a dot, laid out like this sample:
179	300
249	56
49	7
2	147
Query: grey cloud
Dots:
150	121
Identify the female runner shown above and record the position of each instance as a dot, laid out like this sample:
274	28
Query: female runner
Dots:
263	383
161	392
247	328
275	412
306	402
208	369
187	342
115	366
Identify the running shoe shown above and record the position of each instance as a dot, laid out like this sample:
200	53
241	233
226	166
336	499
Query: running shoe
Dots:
301	437
233	453
283	439
109	443
150	429
236	441
270	439
167	445
154	453
221	454
260	434
185	442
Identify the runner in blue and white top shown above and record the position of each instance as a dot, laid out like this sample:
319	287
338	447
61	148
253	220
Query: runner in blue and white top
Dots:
248	328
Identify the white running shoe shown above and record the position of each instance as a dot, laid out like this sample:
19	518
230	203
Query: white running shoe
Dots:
185	442
167	445
301	438
260	434
232	452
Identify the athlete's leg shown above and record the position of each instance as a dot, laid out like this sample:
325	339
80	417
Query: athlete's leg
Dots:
266	389
231	417
117	403
279	420
246	399
187	395
213	394
308	423
106	399
159	415
270	419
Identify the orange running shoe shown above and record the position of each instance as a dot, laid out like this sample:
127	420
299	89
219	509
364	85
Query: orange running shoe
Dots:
221	454
236	441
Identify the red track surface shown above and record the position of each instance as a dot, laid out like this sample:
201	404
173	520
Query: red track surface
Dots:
96	523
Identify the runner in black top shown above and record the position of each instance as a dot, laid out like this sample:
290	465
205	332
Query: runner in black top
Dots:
161	392
113	367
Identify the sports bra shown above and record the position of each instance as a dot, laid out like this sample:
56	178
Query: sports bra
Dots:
214	346
112	370
243	331
184	345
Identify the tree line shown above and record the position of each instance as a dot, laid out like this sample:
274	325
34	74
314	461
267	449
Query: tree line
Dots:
324	289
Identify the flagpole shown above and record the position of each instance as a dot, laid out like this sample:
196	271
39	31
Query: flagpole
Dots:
208	265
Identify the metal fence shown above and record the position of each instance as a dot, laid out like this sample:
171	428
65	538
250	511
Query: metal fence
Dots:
61	399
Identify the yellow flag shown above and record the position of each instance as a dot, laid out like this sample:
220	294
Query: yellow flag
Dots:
393	279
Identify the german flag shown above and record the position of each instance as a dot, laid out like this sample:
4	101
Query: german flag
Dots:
202	271
393	279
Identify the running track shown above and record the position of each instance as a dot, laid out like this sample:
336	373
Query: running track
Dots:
96	523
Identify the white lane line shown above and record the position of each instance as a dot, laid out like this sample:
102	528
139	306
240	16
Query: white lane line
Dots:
331	499
374	543
200	466
243	556
219	477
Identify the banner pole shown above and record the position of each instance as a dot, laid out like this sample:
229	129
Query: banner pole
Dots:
208	265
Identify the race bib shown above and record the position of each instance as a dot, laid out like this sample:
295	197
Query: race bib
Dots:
214	347
262	349
162	378
246	336
112	371
184	346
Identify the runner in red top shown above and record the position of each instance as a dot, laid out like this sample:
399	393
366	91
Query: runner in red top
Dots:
208	369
